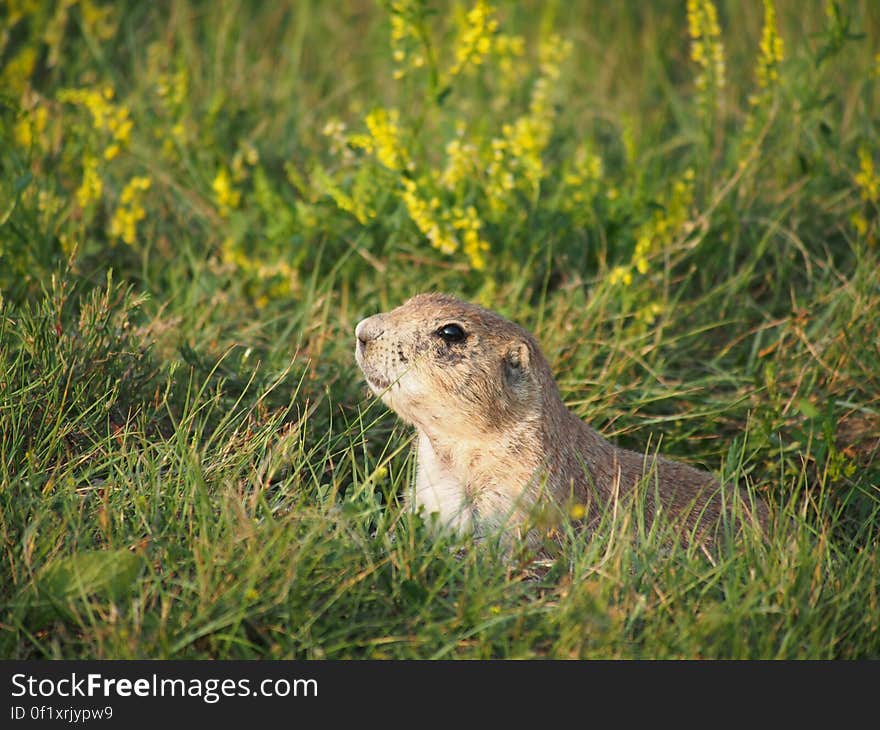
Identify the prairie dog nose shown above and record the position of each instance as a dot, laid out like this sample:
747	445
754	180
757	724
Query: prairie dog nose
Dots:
370	328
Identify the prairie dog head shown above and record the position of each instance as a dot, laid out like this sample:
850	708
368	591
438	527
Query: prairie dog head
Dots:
446	365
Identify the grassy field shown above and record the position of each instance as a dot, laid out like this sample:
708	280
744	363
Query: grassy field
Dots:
198	202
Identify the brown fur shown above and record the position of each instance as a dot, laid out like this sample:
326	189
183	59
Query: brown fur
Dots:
494	436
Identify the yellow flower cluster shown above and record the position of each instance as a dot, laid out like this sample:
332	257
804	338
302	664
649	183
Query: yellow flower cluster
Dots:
866	178
409	44
226	195
383	142
620	275
509	51
97	20
772	49
462	161
649	312
491	174
91	187
771	53
384	139
468	225
707	51
108	118
868	183
18	9
17	71
245	158
447	230
172	92
515	160
659	231
401	27
130	210
552	53
46	23
30	129
475	37
172	88
424	215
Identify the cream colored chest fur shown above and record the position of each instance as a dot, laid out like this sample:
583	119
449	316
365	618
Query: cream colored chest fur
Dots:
438	490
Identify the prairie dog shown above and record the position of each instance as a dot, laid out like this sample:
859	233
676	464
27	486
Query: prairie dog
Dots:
496	443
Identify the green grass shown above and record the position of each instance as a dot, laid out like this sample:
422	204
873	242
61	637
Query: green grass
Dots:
190	465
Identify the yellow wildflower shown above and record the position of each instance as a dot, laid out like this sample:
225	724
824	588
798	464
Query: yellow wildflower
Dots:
770	55
422	214
107	117
868	183
251	595
515	158
461	163
400	28
509	45
860	223
707	51
22	133
772	49
447	231
245	156
407	34
30	129
475	37
16	73
98	20
649	313
15	11
866	178
91	187
509	51
620	275
474	246
130	210
172	88
552	51
662	228
226	196
383	125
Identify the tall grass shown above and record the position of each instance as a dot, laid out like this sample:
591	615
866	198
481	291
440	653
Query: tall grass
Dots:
198	201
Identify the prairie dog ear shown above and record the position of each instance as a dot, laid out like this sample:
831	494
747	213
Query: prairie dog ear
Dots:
517	364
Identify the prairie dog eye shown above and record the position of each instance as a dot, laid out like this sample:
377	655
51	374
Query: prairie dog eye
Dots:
451	333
